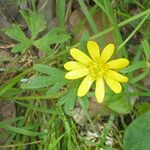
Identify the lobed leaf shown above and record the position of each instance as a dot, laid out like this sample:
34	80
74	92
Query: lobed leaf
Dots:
54	72
37	82
21	47
68	100
55	88
15	32
54	36
55	79
35	21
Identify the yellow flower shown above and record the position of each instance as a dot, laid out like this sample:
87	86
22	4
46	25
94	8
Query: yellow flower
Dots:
97	68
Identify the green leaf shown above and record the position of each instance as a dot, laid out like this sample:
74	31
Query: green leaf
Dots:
54	36
88	16
53	145
139	77
15	33
135	66
22	130
55	88
109	148
137	55
55	79
47	69
85	102
68	100
83	41
146	48
118	103
38	82
45	48
137	135
142	108
54	72
60	5
35	21
57	75
21	47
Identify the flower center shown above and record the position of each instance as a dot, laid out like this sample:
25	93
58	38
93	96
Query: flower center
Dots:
98	70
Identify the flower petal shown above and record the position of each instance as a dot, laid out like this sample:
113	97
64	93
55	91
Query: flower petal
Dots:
73	65
75	74
114	85
117	76
85	86
118	63
107	53
93	50
100	90
80	56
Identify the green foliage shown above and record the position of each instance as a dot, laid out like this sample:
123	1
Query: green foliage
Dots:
142	108
54	78
37	82
68	100
35	21
17	34
85	102
54	36
36	24
140	77
44	123
60	5
56	74
57	141
137	135
118	103
83	40
146	48
109	148
23	130
88	16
